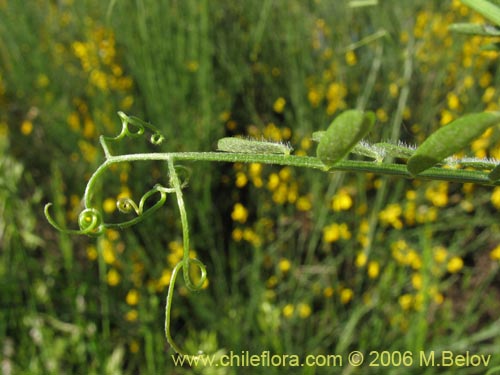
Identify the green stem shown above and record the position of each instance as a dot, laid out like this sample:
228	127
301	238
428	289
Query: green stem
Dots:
436	173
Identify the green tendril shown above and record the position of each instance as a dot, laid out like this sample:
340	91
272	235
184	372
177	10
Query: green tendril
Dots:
89	221
186	261
127	205
132	127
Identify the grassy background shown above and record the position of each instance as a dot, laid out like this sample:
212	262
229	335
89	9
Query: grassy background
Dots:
299	262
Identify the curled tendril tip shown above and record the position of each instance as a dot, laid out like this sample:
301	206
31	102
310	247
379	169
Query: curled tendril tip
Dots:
89	221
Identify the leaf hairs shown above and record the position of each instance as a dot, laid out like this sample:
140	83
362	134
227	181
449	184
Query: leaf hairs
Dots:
252	146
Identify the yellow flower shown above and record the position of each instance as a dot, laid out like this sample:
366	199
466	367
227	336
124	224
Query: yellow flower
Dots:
109	205
127	102
314	97
405	301
346	295
113	277
350	58
416	281
438	298
237	234
381	115
26	127
331	233
288	310
495	197
279	105
132	297
132	315
304	310
241	179
272	281
446	117
373	269
108	251
341	201
438	194
285	174
440	254
453	101
284	265
91	252
455	264
361	260
164	279
134	346
489	94
391	215
273	182
304	203
240	213
328	292
393	90
192	66
495	253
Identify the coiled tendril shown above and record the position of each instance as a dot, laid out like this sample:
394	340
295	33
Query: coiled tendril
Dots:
132	127
127	205
89	221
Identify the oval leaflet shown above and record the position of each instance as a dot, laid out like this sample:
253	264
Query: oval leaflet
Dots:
450	139
345	131
251	146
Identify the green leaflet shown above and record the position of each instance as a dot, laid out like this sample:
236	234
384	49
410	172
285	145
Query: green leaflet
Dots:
485	8
449	139
251	146
475	29
344	132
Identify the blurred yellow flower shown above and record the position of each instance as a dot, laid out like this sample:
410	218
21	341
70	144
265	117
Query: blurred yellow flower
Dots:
240	213
391	215
495	253
279	105
284	265
304	310
304	203
361	260
273	181
453	101
26	127
113	277
346	295
495	197
440	254
241	179
288	310
109	205
92	252
237	234
455	264
108	251
373	269
417	281
134	346
328	292
351	58
132	315
132	297
333	232
341	201
405	301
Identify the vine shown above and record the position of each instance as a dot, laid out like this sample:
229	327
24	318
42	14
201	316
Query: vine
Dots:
432	160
